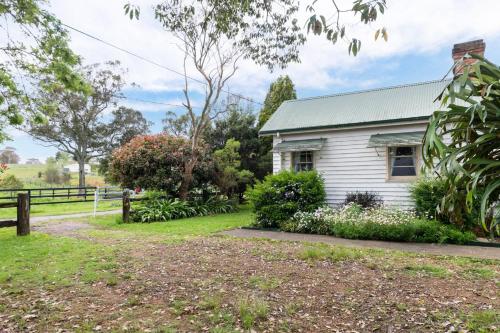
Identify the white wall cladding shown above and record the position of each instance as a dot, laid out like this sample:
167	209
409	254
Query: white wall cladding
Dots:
347	165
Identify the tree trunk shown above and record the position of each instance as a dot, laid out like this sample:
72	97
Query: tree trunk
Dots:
187	179
81	172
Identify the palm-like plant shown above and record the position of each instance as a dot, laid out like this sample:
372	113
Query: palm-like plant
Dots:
462	143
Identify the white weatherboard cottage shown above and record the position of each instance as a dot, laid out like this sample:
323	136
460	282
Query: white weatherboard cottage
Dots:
361	141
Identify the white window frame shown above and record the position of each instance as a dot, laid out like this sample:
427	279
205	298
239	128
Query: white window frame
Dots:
298	154
416	157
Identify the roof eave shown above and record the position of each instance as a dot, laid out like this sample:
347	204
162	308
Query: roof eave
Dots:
303	129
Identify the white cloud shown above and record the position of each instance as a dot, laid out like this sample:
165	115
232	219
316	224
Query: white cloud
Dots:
425	26
415	27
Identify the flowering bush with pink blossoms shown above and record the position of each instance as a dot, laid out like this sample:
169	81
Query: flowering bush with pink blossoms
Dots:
157	162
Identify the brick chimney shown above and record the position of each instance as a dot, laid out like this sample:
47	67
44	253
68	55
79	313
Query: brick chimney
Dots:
460	50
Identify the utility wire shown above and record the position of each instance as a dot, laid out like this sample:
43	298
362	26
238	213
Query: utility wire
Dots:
152	102
152	61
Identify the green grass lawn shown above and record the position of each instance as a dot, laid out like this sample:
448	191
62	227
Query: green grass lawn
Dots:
25	171
62	209
190	227
40	259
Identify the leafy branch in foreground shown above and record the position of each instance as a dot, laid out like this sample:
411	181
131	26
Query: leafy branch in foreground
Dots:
333	28
42	53
262	30
462	143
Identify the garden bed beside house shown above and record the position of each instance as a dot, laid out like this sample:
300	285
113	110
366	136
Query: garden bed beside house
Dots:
295	202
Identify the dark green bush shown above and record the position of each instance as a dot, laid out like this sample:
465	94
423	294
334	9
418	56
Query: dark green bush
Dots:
214	205
278	197
427	194
363	199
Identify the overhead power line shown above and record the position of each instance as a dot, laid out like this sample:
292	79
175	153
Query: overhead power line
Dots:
152	62
152	102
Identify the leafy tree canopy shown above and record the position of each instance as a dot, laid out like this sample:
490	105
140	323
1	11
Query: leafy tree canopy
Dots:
280	90
41	53
238	123
230	178
78	124
330	24
8	156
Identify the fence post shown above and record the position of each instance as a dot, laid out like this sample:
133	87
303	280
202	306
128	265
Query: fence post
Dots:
126	207
96	199
23	214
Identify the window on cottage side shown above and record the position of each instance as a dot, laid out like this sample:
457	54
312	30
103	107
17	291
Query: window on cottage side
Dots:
303	161
403	161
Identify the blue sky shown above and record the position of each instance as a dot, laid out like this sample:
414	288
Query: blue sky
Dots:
419	49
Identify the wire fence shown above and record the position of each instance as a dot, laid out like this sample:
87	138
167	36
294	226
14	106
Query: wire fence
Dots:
111	193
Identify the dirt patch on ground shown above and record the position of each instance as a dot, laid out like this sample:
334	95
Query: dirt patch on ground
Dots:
219	284
62	228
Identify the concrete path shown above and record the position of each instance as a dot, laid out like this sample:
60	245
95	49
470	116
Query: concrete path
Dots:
452	250
37	219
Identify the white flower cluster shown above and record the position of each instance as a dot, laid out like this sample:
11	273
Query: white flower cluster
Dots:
324	217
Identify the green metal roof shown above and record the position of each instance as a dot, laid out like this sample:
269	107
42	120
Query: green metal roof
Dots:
407	102
395	139
299	145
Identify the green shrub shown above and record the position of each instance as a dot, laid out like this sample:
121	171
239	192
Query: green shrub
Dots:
214	205
55	175
427	193
158	162
158	208
276	199
10	181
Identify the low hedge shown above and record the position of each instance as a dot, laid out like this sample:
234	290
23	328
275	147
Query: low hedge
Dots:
418	231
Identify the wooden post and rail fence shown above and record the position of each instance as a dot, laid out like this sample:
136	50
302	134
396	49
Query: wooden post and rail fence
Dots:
23	214
126	207
46	196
